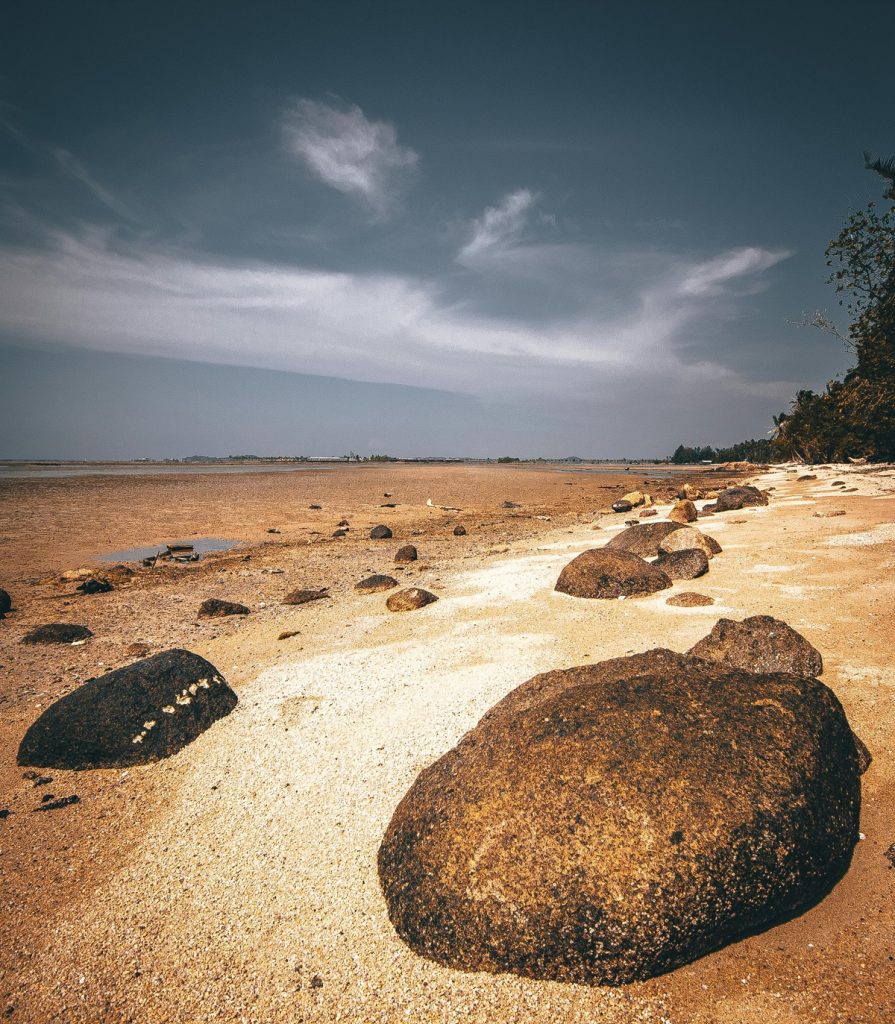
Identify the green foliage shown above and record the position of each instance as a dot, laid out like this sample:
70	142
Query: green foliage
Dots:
507	458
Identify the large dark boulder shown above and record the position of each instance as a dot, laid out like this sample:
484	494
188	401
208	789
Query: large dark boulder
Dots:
136	714
643	539
733	498
608	823
759	644
603	573
57	633
688	564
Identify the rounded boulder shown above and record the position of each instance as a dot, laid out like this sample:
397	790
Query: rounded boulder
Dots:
605	573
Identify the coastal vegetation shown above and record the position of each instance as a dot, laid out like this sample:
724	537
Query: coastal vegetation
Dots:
853	417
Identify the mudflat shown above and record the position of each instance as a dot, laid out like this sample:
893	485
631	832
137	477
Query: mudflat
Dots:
236	880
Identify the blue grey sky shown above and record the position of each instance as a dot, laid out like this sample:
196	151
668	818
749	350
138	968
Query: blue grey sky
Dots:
418	228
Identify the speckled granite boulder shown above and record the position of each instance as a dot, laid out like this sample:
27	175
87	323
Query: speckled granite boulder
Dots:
136	714
608	823
603	573
410	599
689	537
759	644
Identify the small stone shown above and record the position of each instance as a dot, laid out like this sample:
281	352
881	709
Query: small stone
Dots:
510	504
689	599
315	507
375	584
272	529
304	596
829	515
459	531
647	512
890	855
54	805
138	649
806	476
57	633
316	981
340	533
215	608
683	512
409	600
622	505
406	554
94	585
5	603
380	532
287	634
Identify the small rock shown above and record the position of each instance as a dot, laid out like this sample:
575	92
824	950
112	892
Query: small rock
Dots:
316	981
633	498
806	476
389	504
406	554
459	531
759	644
410	599
622	505
647	512
94	585
54	805
689	599
4	813
215	608
304	596
272	529
57	633
138	649
340	533
5	603
343	525
687	564
287	634
375	584
606	573
76	575
838	483
889	855
510	504
315	507
380	532
829	515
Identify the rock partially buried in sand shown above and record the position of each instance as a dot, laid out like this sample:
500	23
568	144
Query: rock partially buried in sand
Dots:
459	531
380	532
406	554
57	633
737	497
305	596
138	649
410	599
759	644
136	714
689	599
214	608
5	603
375	584
688	564
603	573
609	823
95	585
829	515
689	537
642	539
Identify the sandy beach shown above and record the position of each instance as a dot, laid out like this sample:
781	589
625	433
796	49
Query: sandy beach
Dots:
236	881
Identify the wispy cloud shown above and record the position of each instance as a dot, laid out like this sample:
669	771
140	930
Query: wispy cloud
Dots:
347	151
89	291
75	169
499	226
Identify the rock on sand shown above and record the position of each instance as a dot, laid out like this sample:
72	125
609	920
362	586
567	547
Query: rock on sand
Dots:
136	714
214	608
410	599
408	553
689	537
688	564
759	644
689	599
380	532
606	573
642	539
608	823
733	498
375	584
57	633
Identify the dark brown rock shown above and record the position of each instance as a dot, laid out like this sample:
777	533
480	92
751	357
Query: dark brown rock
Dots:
806	476
683	512
214	608
459	531
136	714
340	533
57	633
5	603
865	758
688	564
137	649
759	644
622	505
380	532
689	599
94	585
304	596
609	823
406	554
375	584
410	599
605	573
733	498
642	539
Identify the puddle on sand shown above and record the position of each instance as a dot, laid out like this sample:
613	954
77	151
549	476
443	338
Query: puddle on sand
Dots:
201	546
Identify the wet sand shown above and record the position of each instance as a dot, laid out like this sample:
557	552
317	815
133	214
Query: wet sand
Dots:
236	881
